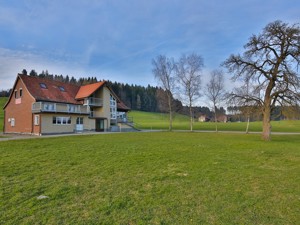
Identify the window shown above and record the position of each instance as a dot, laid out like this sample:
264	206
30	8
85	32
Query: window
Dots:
12	122
79	120
43	85
112	101
71	108
36	120
113	108
18	99
49	106
61	88
21	92
59	120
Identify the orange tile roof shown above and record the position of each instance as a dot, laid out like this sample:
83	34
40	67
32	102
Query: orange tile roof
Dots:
87	90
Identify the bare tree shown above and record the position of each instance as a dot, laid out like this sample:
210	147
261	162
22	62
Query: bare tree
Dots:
188	70
163	70
271	63
246	106
291	112
215	91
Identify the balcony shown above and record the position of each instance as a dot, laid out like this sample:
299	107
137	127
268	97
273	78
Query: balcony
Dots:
59	108
96	102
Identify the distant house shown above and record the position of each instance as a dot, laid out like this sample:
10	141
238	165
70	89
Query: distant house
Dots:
42	106
203	118
222	118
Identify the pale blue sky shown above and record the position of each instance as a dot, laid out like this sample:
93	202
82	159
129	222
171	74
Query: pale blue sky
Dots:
116	40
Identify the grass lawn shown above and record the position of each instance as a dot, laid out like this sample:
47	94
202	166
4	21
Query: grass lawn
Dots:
2	103
147	120
151	178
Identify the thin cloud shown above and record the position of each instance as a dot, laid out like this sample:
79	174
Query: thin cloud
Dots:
117	39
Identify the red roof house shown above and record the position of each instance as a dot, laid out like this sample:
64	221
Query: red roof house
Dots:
42	106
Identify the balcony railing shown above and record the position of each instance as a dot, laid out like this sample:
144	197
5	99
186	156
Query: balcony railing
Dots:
59	108
93	101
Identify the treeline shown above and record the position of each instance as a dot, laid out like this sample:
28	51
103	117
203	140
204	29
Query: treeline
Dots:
137	97
254	113
5	93
45	74
62	78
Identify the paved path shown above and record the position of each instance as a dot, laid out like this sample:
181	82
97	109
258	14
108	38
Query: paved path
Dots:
10	137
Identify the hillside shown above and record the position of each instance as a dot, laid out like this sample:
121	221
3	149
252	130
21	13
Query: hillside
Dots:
148	120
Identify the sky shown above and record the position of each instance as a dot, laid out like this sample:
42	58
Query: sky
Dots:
117	39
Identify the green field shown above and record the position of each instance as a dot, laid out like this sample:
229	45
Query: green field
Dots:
147	120
151	178
2	103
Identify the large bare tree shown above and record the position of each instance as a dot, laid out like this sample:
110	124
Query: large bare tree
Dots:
270	62
164	72
215	91
188	70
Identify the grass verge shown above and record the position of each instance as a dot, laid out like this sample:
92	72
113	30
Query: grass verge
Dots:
147	120
151	178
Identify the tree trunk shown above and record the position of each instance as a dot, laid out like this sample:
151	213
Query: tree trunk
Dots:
171	121
191	117
216	120
248	122
266	133
170	113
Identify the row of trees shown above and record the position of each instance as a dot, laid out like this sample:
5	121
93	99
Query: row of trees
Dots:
61	78
267	71
253	113
182	78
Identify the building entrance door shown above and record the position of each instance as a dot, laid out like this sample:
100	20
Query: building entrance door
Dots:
79	124
100	125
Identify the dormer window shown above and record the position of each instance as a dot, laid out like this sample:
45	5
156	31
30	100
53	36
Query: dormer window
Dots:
61	88
43	85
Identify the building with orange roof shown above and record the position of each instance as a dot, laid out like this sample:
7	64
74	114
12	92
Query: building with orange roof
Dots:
41	106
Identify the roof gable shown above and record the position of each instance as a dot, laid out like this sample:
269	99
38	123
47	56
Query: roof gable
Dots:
87	90
12	92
